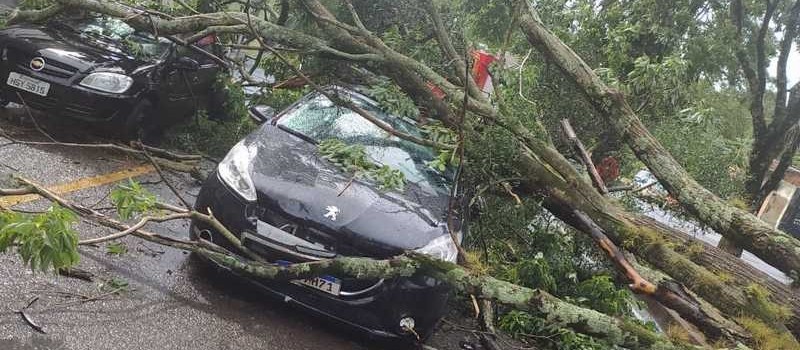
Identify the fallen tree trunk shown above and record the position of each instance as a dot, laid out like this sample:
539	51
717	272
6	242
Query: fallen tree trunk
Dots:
744	229
355	45
587	321
668	293
565	192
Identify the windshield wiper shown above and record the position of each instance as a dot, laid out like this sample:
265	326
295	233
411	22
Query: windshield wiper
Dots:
298	134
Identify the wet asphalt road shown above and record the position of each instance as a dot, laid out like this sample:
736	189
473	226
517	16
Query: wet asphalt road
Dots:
172	301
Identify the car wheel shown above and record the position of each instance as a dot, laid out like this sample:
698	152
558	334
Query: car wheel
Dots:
141	124
216	106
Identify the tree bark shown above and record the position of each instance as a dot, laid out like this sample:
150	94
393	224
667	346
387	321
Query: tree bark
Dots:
747	231
769	141
556	177
653	243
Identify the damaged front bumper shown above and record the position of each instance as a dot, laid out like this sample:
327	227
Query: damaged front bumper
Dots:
382	309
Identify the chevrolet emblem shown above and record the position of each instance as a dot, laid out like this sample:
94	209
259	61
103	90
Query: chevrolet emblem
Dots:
37	63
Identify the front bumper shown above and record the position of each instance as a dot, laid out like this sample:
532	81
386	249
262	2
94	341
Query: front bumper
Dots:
377	312
65	98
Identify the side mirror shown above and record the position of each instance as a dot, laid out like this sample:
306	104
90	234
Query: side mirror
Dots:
186	63
261	114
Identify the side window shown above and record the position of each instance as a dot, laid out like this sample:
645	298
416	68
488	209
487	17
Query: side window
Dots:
205	44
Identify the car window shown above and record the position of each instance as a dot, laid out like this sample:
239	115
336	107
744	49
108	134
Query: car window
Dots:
319	119
139	44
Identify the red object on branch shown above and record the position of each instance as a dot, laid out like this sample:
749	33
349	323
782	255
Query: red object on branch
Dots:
480	73
608	169
480	69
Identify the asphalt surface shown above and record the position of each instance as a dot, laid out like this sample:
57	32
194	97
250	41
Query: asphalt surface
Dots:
172	301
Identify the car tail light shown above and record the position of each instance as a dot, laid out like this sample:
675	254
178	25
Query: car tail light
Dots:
207	40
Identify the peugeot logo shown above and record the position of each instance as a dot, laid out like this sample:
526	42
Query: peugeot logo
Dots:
37	63
332	210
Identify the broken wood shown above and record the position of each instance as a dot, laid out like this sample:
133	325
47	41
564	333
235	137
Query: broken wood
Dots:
27	318
576	143
75	272
669	293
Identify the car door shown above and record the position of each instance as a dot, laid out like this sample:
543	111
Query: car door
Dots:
177	98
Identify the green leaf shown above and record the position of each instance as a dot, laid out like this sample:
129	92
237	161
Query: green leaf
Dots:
132	199
116	248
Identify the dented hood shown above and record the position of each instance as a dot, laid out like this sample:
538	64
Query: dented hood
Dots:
291	178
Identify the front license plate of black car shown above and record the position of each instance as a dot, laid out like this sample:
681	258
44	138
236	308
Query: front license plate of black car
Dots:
327	284
28	84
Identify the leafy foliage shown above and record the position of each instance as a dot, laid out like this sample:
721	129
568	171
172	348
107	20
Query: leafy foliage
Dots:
392	99
442	135
234	104
525	325
116	248
44	241
600	293
115	283
131	200
354	159
207	136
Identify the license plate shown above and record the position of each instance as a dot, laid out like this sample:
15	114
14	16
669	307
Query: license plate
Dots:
28	84
327	284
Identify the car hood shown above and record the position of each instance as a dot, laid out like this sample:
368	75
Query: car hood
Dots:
59	43
291	177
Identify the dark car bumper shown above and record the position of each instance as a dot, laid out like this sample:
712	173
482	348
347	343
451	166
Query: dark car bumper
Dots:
377	312
65	98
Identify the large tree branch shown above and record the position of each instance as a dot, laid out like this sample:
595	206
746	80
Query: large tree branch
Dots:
446	44
564	314
755	76
232	21
789	34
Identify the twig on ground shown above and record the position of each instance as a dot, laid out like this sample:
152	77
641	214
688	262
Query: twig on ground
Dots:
77	273
163	177
33	119
133	228
475	306
27	318
84	299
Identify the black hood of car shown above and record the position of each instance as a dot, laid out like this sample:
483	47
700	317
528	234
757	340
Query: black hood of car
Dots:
57	41
291	178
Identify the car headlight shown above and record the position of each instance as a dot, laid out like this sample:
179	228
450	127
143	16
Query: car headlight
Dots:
108	82
441	248
235	169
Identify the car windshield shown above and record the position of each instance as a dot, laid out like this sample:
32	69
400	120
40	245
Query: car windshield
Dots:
139	44
320	119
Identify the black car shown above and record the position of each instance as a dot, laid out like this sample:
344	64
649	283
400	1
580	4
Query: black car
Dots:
100	70
291	205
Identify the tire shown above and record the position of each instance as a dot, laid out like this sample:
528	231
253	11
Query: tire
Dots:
216	106
141	124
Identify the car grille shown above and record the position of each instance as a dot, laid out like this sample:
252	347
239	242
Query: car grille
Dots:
351	287
307	233
52	67
65	109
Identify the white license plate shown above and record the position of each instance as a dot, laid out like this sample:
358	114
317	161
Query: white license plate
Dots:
28	84
327	284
